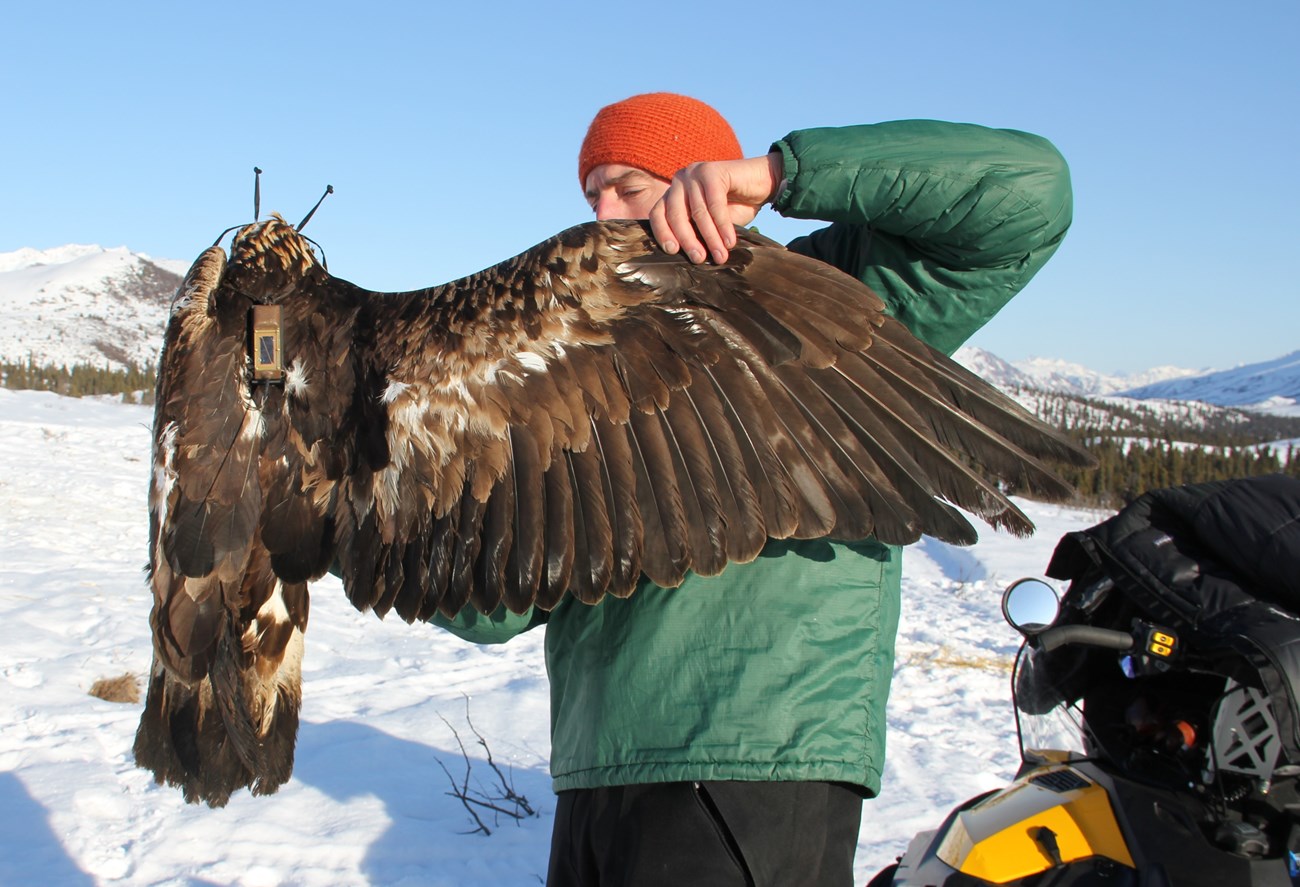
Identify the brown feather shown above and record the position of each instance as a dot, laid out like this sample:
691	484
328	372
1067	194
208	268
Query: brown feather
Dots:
442	558
528	550
666	556
495	543
742	511
627	530
918	451
557	565
865	502
766	450
465	555
593	539
706	523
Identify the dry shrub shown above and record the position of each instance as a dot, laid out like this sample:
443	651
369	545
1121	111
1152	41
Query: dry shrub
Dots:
123	688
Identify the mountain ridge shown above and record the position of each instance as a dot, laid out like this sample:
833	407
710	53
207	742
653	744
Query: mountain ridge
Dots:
1271	386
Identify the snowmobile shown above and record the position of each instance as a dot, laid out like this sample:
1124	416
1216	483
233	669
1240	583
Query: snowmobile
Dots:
1155	705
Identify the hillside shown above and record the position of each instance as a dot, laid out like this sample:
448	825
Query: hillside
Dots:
1269	386
1272	386
84	304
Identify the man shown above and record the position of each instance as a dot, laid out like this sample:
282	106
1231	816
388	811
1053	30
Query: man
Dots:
726	732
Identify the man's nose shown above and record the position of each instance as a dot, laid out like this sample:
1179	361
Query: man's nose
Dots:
609	206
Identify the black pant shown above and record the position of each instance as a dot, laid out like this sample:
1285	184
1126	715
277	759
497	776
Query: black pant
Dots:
707	833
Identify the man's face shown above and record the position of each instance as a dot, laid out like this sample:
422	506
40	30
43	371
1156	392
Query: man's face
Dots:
615	191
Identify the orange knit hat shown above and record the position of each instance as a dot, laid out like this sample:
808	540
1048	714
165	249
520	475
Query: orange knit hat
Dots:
659	132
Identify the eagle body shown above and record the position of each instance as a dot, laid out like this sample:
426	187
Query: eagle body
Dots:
586	412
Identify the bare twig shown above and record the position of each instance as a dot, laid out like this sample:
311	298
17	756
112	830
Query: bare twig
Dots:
503	793
460	793
506	782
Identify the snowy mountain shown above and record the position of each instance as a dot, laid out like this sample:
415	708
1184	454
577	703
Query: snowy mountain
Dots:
1272	386
1051	374
1060	375
84	304
991	368
1268	387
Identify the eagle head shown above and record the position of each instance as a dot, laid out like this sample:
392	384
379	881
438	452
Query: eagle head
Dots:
269	260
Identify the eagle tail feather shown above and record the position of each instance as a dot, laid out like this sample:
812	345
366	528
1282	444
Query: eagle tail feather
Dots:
236	727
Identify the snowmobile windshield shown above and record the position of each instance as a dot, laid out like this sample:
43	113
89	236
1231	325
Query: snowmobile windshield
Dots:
1047	721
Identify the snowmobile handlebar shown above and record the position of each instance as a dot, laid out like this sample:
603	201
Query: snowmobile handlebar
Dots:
1085	635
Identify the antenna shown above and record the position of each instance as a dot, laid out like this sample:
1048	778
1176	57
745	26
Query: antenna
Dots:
329	189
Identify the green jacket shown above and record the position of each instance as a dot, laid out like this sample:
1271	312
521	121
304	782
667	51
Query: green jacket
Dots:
780	669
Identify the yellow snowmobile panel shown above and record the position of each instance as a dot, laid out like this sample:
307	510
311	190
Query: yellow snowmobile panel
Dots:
999	839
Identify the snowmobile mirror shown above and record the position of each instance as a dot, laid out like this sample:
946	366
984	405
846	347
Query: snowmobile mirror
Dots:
1030	605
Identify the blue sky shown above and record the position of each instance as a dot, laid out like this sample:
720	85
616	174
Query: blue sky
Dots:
450	135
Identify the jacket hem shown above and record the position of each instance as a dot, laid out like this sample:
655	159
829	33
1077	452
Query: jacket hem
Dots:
866	780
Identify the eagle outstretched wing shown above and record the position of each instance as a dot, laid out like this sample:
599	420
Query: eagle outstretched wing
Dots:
586	412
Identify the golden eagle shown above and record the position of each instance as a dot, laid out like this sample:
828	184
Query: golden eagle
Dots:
586	412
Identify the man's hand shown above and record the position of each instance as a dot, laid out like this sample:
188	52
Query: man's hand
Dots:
704	202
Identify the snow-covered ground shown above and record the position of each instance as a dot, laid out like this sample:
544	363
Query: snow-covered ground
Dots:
368	802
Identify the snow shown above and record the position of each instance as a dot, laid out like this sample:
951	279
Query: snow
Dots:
26	257
368	801
74	267
1281	448
1277	405
68	254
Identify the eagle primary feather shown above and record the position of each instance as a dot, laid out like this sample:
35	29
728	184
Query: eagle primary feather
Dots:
587	412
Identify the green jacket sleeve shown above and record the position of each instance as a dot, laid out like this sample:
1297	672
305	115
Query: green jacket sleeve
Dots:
946	221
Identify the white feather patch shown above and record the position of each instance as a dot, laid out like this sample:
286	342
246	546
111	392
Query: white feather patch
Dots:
254	426
295	380
164	462
273	611
531	361
393	390
689	317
